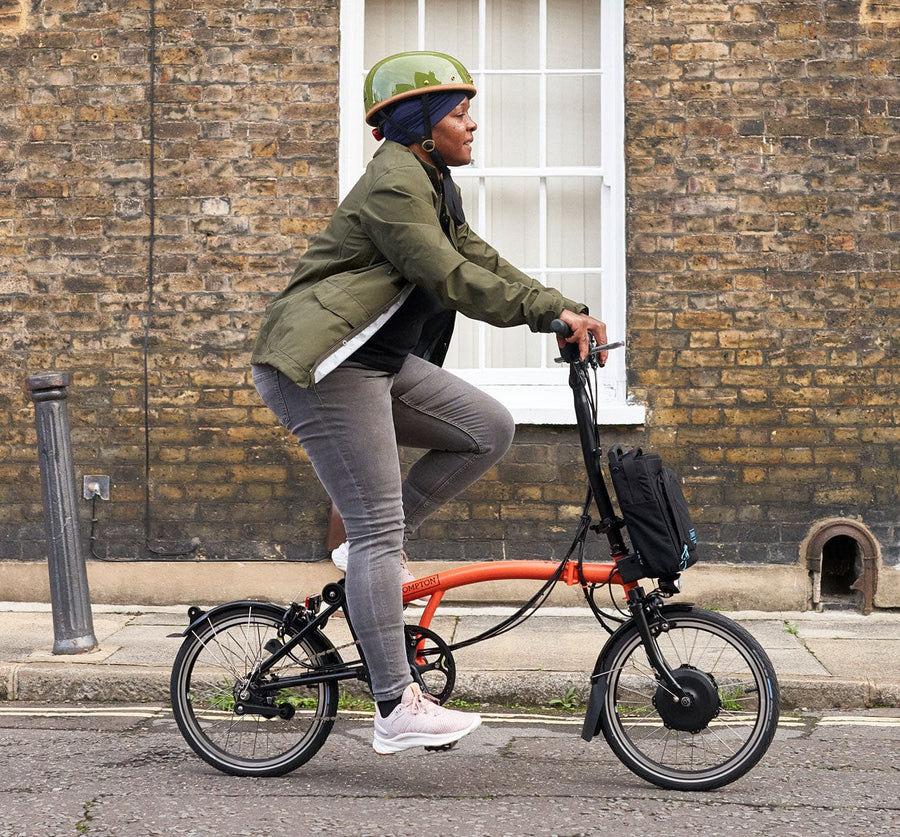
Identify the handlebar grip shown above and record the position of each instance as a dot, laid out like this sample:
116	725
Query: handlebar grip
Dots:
570	352
561	328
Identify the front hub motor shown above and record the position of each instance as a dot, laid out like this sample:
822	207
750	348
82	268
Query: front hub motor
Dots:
696	709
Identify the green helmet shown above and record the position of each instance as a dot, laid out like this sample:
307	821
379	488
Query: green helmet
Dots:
408	74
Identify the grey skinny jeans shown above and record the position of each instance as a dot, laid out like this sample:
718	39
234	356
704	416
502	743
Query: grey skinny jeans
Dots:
350	425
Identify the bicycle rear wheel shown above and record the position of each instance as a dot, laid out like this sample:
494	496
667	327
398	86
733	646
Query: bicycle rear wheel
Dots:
224	716
734	711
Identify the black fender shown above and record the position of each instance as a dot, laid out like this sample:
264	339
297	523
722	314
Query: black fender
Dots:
197	615
599	679
595	704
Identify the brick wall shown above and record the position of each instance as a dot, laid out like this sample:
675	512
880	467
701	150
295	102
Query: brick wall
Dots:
245	171
763	224
764	281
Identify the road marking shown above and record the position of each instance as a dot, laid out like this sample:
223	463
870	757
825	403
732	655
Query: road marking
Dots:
10	710
876	721
148	711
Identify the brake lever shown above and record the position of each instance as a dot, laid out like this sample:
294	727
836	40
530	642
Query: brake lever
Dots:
607	346
592	352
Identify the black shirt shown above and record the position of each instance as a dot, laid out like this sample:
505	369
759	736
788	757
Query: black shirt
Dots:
388	347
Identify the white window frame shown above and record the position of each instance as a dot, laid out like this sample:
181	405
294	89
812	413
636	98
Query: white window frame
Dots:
533	395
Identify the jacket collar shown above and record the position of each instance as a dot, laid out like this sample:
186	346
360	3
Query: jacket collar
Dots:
391	147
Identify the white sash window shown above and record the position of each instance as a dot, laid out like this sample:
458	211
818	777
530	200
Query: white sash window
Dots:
546	187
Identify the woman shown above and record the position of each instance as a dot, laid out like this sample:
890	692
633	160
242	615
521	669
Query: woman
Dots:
348	358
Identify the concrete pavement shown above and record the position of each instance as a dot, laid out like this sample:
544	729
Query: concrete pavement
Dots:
823	660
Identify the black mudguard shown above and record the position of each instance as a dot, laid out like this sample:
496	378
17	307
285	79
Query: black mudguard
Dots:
595	704
196	615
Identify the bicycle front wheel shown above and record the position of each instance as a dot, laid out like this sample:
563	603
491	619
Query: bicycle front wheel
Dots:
733	712
230	716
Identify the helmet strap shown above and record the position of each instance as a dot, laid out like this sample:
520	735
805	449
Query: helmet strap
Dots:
426	122
448	187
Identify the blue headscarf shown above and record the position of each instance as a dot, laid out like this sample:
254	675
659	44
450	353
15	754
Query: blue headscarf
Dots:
405	122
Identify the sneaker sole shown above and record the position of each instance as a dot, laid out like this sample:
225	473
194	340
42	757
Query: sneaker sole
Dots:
408	740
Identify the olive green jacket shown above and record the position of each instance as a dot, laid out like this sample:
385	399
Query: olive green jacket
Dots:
385	238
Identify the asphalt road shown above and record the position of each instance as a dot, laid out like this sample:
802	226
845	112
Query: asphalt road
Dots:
106	770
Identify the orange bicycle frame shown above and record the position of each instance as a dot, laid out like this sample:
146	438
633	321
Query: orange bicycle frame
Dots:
434	586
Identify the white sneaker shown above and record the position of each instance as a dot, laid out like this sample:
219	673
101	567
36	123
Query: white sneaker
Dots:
420	721
406	577
339	556
339	559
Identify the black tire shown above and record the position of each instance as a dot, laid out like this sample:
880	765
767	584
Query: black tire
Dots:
729	726
219	653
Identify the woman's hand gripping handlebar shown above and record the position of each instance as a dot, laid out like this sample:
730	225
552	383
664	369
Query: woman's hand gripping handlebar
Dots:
581	337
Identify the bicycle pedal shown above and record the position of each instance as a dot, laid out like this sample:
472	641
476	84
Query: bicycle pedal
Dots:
440	748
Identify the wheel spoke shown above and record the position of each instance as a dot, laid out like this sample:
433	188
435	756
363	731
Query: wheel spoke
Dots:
721	733
223	713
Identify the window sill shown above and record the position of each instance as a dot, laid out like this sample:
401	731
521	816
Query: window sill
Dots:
552	404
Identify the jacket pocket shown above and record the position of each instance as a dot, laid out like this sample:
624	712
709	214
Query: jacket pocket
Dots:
339	301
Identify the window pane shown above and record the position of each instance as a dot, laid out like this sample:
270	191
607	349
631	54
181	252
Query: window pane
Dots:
573	34
512	41
465	347
578	286
391	26
573	227
513	348
573	117
453	28
509	122
511	221
476	346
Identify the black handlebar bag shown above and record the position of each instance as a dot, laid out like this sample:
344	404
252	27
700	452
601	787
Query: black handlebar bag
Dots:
655	511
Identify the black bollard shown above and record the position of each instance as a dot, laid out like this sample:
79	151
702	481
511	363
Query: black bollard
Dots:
73	623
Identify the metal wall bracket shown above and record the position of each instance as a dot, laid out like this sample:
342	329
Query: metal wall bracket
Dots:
96	485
